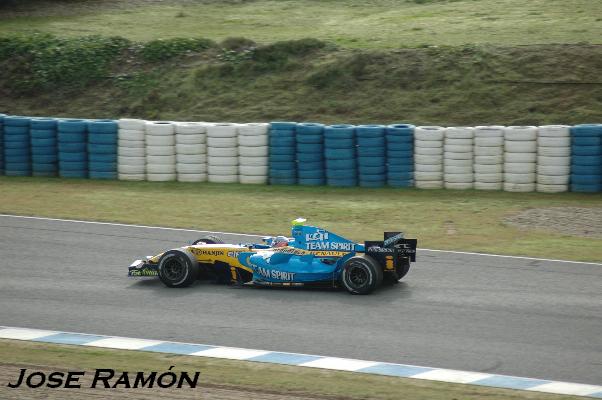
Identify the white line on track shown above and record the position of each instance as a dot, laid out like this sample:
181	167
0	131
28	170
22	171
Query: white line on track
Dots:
258	236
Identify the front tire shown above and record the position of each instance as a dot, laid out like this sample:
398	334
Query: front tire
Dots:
178	268
361	275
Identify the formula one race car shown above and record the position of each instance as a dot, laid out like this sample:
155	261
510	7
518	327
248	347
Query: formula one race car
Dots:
312	257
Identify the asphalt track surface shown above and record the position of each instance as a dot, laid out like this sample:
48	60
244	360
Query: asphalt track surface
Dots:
524	317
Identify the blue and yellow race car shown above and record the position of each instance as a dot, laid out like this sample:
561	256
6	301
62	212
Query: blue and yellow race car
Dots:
310	257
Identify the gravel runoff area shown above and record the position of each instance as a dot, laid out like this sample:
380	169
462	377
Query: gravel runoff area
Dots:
575	221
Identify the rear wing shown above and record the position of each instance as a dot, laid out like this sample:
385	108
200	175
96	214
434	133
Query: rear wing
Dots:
394	244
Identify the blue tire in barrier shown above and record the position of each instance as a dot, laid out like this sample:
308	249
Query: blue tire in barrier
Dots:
339	143
280	125
311	181
339	154
337	132
397	183
379	170
285	174
371	161
400	176
81	174
585	150
17	151
586	179
593	188
399	154
44	167
10	146
41	174
43	124
310	165
73	157
310	174
17	166
102	148
43	142
350	163
103	158
371	142
72	137
17	159
102	167
310	139
283	181
289	168
16	120
407	147
370	131
44	151
104	138
276	141
408	140
72	147
342	182
43	134
585	141
586	130
341	173
72	126
586	160
16	130
310	157
371	183
44	159
103	126
282	158
407	167
282	134
585	169
16	137
282	150
309	128
102	175
371	151
72	165
310	148
400	130
15	172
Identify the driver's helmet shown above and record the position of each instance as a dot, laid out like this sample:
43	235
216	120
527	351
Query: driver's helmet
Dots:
280	241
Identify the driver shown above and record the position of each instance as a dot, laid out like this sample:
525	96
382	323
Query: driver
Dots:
280	241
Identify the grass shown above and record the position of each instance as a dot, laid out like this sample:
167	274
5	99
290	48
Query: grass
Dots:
248	376
383	24
455	220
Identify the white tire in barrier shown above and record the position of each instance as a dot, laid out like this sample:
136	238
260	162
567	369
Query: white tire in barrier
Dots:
223	178
488	185
222	151
429	133
191	159
519	168
160	140
428	176
543	160
459	142
253	180
429	184
253	161
222	142
556	170
200	177
190	128
131	177
191	149
495	141
428	151
457	163
553	179
131	134
191	168
459	133
121	160
130	143
554	151
223	161
516	146
458	185
491	178
160	151
253	141
457	148
159	128
458	178
520	133
458	156
489	131
488	150
131	151
253	129
222	169
551	188
262	151
520	157
158	177
519	178
427	143
450	169
428	168
161	160
253	171
160	169
489	168
131	124
554	141
424	159
497	159
554	131
222	130
131	169
519	187
191	139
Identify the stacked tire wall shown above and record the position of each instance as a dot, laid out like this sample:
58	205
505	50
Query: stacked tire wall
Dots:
520	158
283	153
2	143
586	155
102	149
488	157
553	159
340	158
160	142
400	155
222	151
131	150
371	155
458	155
191	151
428	157
44	147
72	148
17	153
253	160
310	154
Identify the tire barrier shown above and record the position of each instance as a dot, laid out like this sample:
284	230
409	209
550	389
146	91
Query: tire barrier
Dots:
2	143
131	150
160	151
340	155
371	155
310	154
17	153
222	152
191	151
44	147
283	151
553	159
253	160
586	158
458	172
72	148
520	158
428	157
400	155
102	149
488	160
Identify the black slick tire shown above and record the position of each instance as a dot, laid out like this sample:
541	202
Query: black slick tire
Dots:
361	275
178	268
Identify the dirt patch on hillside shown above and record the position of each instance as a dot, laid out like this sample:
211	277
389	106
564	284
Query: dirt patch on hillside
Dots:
575	221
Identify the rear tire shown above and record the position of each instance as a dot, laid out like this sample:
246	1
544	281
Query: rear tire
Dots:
399	273
178	268
210	239
361	275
